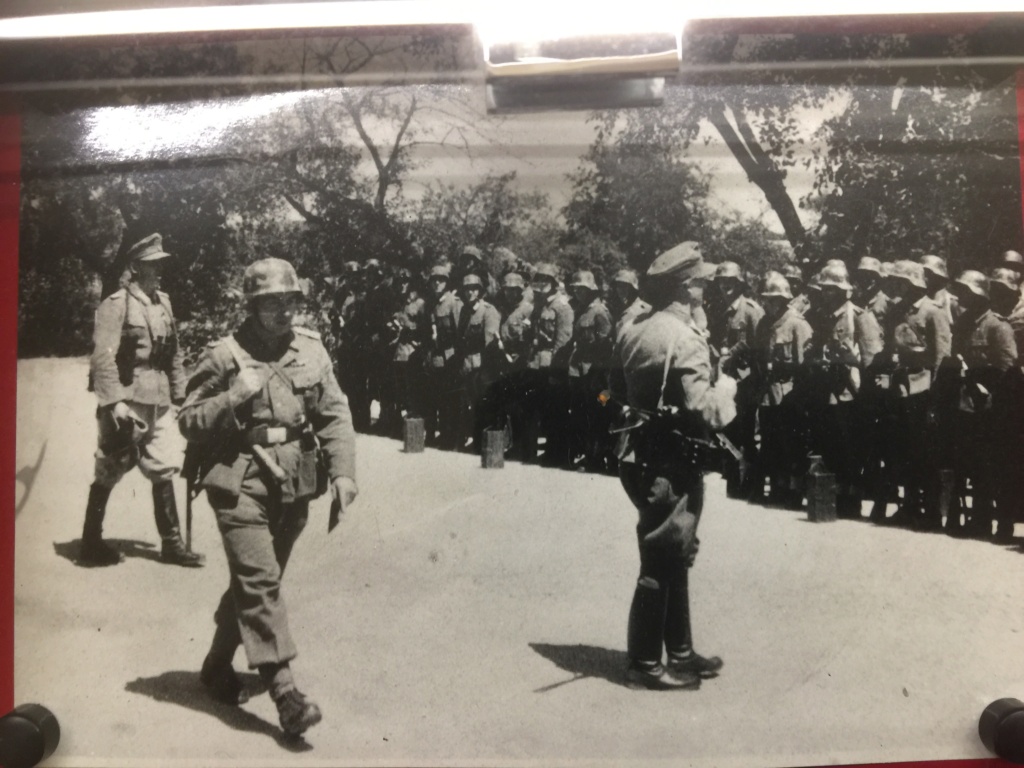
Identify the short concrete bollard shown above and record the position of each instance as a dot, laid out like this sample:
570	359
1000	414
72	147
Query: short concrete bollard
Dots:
414	435
493	454
821	493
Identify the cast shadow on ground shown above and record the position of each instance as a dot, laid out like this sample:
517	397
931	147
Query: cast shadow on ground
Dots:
143	550
185	690
584	661
27	477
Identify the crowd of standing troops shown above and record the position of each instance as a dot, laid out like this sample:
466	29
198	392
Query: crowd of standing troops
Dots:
903	381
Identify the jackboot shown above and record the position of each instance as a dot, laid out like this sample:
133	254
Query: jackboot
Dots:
165	510
94	551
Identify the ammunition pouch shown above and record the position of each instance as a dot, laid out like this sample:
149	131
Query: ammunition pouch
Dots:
312	479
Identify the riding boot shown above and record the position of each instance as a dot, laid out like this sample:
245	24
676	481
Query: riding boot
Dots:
94	551
165	510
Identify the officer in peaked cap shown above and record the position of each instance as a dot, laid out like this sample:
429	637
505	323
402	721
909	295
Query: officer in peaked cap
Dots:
663	362
136	372
272	431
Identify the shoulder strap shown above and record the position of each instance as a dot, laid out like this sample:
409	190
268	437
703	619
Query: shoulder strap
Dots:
664	376
235	350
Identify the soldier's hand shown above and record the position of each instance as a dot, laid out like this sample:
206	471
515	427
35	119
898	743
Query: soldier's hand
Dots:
345	491
247	384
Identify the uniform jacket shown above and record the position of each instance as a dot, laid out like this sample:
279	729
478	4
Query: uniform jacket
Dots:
412	327
988	350
780	348
846	341
591	339
880	305
478	333
515	330
1016	319
136	356
551	325
300	388
921	341
630	314
734	331
444	328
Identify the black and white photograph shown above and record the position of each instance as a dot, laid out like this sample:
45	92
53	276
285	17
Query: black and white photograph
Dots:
418	396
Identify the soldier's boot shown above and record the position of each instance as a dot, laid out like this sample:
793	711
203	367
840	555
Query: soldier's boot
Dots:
165	510
221	680
689	661
645	640
94	551
296	712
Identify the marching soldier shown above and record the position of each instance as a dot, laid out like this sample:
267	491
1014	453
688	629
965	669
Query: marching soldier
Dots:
551	331
442	417
921	343
136	372
272	429
588	371
732	326
846	339
476	344
984	347
666	373
780	345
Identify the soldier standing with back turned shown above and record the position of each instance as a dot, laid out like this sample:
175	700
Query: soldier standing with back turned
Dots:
137	375
666	366
272	430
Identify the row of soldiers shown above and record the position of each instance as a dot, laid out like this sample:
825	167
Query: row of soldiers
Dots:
900	378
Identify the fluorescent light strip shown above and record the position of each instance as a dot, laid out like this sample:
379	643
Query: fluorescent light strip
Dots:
543	19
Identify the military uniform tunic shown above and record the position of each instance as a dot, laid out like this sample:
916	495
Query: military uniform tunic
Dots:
515	331
552	330
260	518
136	360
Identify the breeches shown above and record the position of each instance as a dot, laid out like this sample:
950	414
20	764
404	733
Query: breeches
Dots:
157	455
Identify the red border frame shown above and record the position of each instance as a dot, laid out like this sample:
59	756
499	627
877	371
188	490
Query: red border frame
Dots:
10	178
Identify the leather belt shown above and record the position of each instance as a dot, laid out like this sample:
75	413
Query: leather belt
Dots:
266	435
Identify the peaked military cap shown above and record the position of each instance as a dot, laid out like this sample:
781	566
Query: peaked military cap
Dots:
682	263
149	248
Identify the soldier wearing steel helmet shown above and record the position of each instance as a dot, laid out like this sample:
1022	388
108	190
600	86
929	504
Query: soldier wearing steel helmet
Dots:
663	369
846	341
624	301
781	343
984	347
919	348
514	334
588	371
442	365
1005	287
869	290
476	349
936	275
273	431
137	375
732	324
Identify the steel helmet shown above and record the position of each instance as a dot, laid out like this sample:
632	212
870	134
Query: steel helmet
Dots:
729	270
471	252
441	270
910	271
270	276
1005	276
971	280
548	270
472	279
885	268
627	276
936	265
775	284
1013	260
870	264
793	272
352	267
584	279
834	273
513	280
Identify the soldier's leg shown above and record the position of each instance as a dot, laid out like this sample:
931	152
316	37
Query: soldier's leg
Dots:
113	459
160	456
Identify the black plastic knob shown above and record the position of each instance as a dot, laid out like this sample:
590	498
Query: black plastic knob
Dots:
1001	728
28	735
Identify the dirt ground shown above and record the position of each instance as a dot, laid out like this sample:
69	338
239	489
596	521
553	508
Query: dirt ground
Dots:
477	617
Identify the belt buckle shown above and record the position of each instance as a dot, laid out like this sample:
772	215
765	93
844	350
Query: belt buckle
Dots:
277	435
